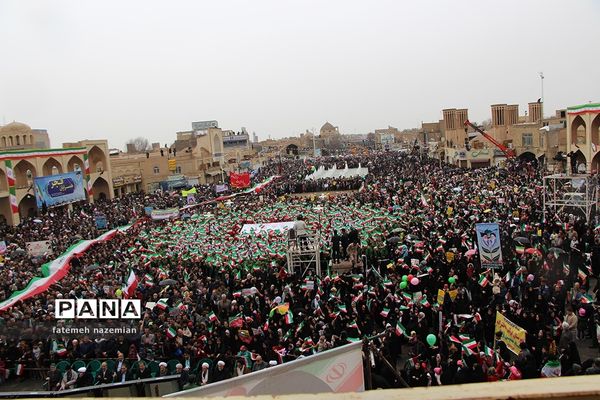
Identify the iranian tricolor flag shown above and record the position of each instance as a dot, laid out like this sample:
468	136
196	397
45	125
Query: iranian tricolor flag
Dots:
470	344
483	280
236	321
384	313
289	318
520	249
162	304
171	332
354	325
212	317
132	284
587	299
20	370
55	270
148	280
488	352
401	330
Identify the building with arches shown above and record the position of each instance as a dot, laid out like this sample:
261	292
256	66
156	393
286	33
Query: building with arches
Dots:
583	137
531	136
18	168
19	136
198	156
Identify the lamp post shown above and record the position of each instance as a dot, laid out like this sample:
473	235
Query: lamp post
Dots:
319	209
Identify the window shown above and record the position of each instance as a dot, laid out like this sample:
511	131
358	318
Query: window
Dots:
178	169
156	170
541	140
527	140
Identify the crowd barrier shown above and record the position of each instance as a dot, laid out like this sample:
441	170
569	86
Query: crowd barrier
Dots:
151	387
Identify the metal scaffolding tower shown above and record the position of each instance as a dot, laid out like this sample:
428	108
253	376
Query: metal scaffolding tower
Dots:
578	192
302	257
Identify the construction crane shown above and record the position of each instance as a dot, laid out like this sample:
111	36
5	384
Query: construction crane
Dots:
509	153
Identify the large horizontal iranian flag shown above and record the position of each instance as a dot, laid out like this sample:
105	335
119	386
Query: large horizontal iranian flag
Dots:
55	270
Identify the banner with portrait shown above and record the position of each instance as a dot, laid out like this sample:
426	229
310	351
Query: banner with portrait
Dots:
57	190
488	243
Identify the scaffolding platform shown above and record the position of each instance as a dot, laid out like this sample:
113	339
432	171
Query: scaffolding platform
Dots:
304	255
576	192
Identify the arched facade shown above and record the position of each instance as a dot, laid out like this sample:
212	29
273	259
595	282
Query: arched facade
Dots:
291	149
52	167
24	174
27	207
75	164
97	159
101	189
217	144
583	123
3	181
37	163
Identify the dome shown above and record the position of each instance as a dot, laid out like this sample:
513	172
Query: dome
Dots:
15	127
327	127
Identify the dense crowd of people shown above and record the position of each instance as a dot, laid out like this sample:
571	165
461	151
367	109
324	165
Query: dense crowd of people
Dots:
215	320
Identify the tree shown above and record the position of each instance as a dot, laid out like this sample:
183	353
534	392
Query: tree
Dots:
140	144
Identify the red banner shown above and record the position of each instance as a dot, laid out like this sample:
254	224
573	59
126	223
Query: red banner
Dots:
238	181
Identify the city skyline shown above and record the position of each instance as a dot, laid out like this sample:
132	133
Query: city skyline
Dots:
117	71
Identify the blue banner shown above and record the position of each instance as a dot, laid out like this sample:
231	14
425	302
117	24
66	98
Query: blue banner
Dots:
57	190
488	242
100	220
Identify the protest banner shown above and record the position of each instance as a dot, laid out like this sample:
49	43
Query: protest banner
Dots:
100	220
488	242
239	180
512	334
441	293
164	214
186	193
39	248
220	188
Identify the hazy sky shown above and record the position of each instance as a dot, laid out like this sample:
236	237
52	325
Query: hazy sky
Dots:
121	69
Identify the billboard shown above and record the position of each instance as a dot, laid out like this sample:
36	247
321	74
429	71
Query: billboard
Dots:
57	190
338	370
488	242
204	125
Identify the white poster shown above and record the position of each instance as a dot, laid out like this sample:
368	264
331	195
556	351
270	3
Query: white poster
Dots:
36	249
274	226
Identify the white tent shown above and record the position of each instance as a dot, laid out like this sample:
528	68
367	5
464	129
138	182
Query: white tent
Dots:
322	173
